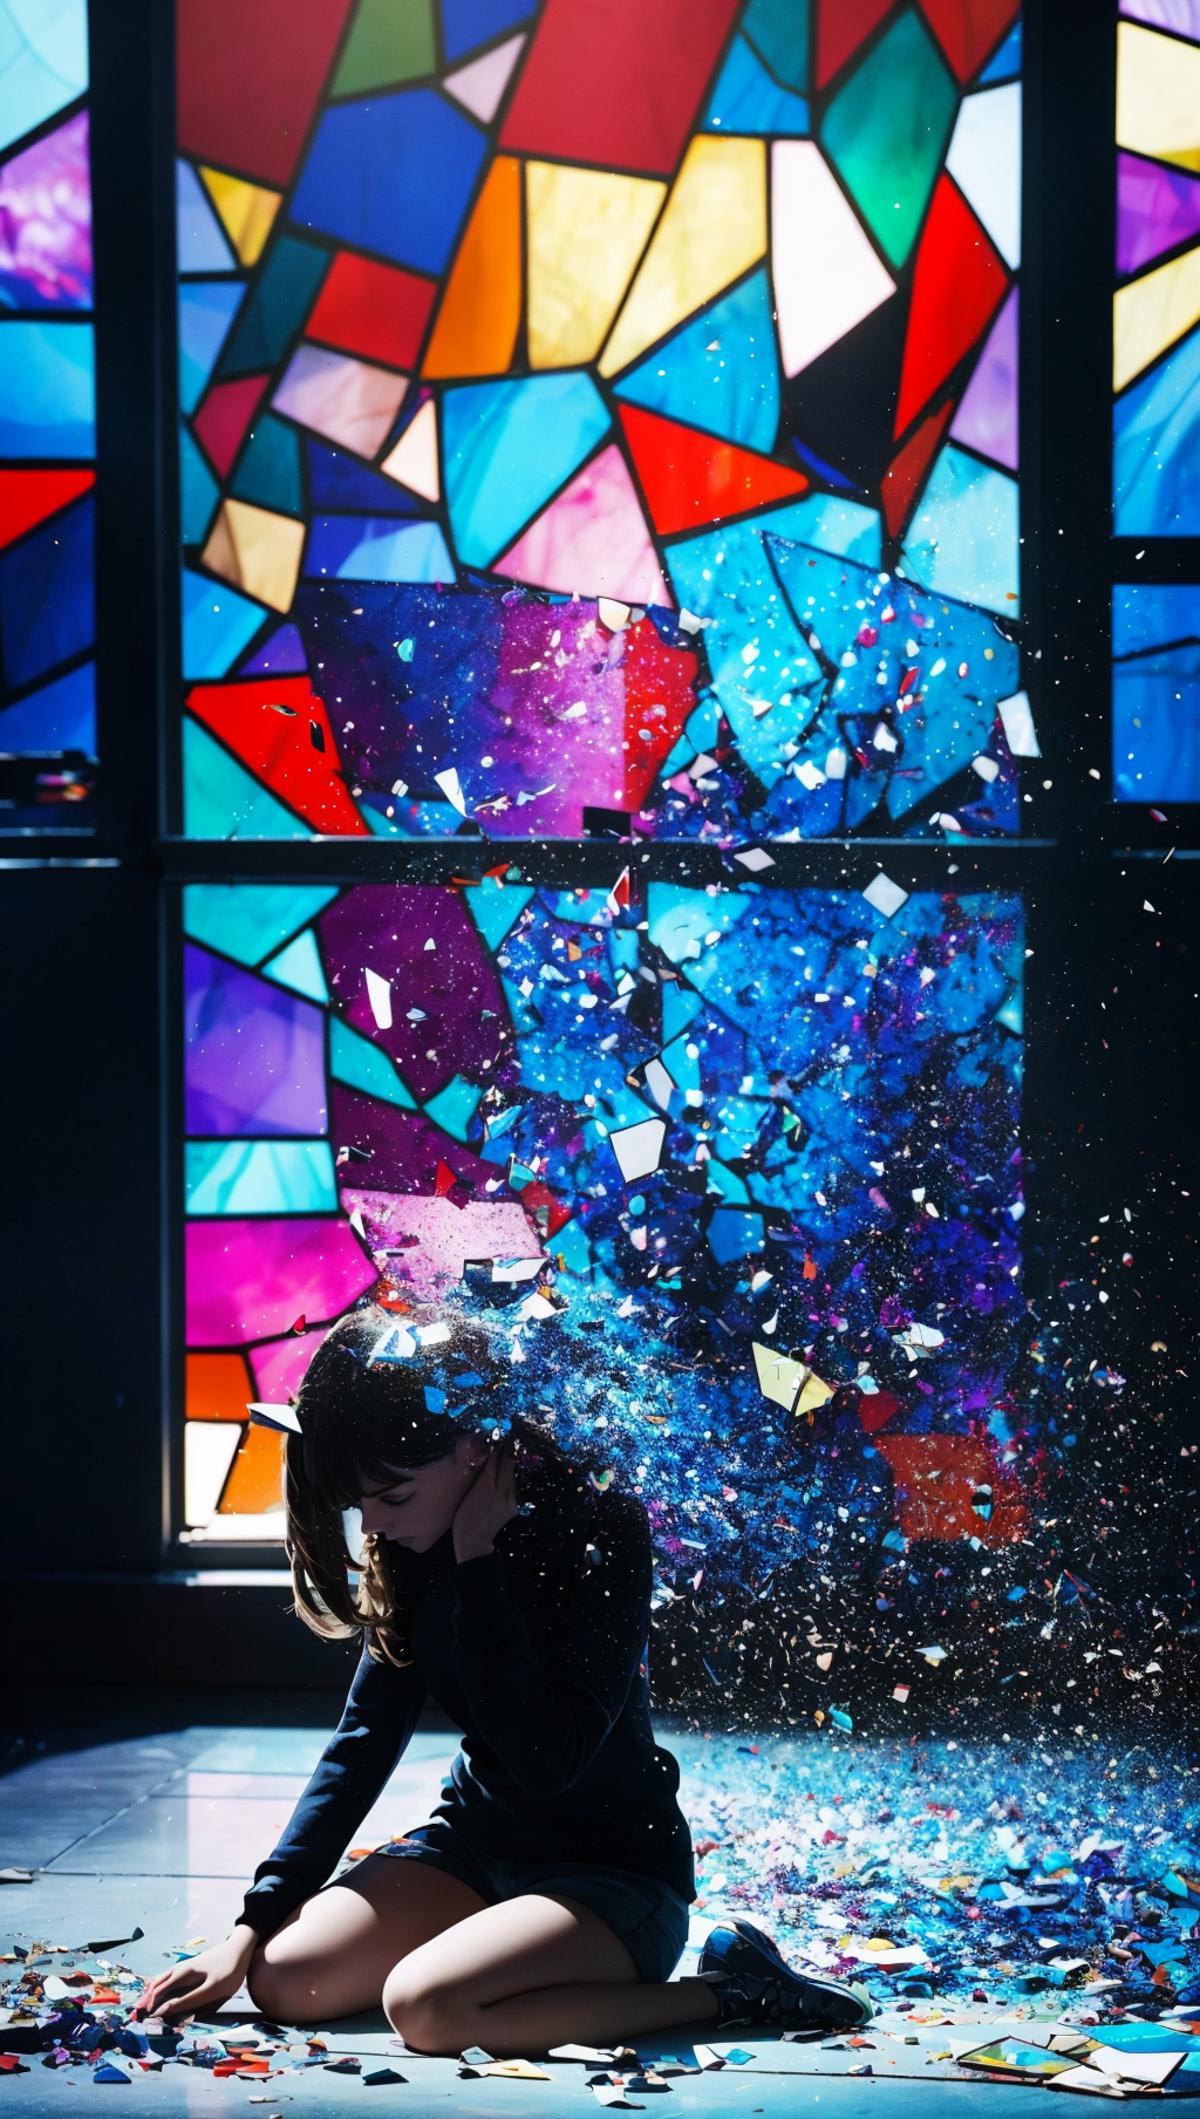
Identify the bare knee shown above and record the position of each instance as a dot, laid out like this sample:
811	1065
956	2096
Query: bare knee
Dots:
286	1993
427	2021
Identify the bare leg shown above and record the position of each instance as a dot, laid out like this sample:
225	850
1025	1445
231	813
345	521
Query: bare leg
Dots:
332	1956
535	1971
589	2015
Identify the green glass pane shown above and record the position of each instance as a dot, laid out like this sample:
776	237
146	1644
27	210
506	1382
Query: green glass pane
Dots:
886	132
220	799
389	42
279	300
269	471
199	492
778	30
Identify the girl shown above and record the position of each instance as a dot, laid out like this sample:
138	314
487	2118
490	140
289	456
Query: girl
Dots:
546	1899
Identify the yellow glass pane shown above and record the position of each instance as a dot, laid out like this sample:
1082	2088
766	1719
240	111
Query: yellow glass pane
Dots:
713	228
247	211
258	551
1151	313
256	1482
1158	96
218	1387
586	231
476	327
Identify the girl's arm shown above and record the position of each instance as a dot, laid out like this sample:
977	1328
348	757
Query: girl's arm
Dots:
545	1714
379	1717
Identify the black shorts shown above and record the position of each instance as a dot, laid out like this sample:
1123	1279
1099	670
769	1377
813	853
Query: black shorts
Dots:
650	1917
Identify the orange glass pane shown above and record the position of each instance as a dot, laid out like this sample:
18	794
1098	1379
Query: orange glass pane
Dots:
476	327
256	1481
218	1387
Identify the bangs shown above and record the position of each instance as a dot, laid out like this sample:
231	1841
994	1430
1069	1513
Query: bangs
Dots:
342	1466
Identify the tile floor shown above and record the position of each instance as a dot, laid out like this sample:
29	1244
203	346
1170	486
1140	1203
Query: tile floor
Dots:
160	1829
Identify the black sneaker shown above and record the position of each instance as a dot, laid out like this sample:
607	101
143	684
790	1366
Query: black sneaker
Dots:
754	1984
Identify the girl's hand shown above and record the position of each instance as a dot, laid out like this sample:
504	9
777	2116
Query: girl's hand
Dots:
199	1984
488	1504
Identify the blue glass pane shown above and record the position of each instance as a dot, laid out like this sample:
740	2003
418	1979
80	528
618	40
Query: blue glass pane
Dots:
47	390
747	100
299	966
393	175
336	481
217	624
351	548
58	716
43	61
199	492
260	1177
963	539
355	1060
466	23
508	447
250	925
720	372
1006	65
281	654
199	234
1156	693
454	1107
206	311
1156	448
47	594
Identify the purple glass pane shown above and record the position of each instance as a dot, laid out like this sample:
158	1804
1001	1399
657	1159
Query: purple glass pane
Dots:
280	655
1183	16
46	222
255	1054
987	417
1156	209
403	1147
536	682
252	1279
454	985
489	686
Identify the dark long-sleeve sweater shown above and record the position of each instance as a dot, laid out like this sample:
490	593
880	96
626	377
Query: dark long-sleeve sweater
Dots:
544	1667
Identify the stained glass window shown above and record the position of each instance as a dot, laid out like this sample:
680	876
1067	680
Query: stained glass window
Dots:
600	419
793	1111
1156	338
47	420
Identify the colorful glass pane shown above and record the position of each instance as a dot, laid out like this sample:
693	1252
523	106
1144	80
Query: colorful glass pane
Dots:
1156	693
516	339
47	421
828	1082
1156	320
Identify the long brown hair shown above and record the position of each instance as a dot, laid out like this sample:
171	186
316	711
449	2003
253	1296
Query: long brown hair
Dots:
370	1400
